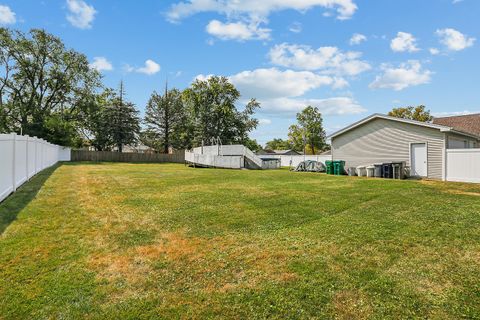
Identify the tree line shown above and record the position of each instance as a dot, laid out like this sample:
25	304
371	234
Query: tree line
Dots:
50	91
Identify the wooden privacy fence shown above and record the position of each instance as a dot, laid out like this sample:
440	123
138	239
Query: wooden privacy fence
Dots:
108	156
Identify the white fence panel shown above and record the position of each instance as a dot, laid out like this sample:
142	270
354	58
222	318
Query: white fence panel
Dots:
21	157
294	160
32	149
6	165
21	170
463	165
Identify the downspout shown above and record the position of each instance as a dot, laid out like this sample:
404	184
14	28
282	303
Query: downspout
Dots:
445	157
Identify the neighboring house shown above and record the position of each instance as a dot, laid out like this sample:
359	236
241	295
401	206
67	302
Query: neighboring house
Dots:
466	123
380	138
278	152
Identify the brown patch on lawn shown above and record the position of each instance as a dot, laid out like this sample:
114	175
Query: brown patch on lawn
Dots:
351	304
174	246
212	265
453	187
477	194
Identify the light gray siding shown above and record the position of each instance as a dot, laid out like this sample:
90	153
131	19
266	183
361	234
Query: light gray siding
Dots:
381	140
456	141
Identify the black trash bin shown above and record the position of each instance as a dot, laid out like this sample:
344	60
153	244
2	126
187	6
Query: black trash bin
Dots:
378	170
387	170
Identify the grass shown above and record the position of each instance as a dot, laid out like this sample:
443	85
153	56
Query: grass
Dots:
143	241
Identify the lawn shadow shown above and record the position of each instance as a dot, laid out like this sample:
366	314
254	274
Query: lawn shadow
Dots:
14	204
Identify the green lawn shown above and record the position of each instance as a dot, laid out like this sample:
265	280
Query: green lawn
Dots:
142	241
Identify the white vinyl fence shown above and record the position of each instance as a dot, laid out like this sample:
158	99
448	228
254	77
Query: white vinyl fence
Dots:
462	165
21	157
294	160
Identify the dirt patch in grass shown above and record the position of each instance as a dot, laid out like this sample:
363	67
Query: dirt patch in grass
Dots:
351	304
459	188
209	265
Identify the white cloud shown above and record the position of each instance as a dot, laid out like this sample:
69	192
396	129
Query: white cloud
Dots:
434	51
456	1
404	42
237	31
357	38
272	83
203	77
326	59
453	113
81	14
150	68
264	121
257	10
246	17
101	64
7	16
330	106
406	75
454	40
295	27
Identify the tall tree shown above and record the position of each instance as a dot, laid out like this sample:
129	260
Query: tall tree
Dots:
412	113
41	82
212	112
278	144
94	124
253	145
123	121
166	121
309	131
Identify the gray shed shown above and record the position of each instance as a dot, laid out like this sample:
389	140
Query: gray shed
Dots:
380	138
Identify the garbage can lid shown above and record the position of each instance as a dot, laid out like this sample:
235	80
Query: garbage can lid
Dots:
371	167
361	167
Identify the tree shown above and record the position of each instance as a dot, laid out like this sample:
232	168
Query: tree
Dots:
212	112
309	131
41	83
278	144
253	145
123	121
166	121
412	113
94	124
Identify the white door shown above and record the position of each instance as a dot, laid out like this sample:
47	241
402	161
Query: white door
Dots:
419	159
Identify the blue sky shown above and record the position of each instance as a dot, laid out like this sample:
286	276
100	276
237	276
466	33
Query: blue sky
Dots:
350	58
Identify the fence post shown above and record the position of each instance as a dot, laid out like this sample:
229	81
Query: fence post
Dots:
26	157
14	183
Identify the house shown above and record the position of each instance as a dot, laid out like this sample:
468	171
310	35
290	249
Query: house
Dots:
278	152
466	123
380	138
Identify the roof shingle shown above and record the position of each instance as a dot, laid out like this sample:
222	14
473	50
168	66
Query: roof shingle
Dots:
467	123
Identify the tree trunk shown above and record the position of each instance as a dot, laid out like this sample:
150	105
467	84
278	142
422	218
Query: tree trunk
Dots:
120	147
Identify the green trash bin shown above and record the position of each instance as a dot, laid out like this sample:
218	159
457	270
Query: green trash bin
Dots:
329	166
339	167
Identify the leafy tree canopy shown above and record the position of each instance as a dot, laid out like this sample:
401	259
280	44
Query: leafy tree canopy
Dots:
412	113
308	132
212	112
41	83
278	144
166	121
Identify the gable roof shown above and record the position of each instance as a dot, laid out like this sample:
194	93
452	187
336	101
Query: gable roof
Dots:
442	128
467	123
